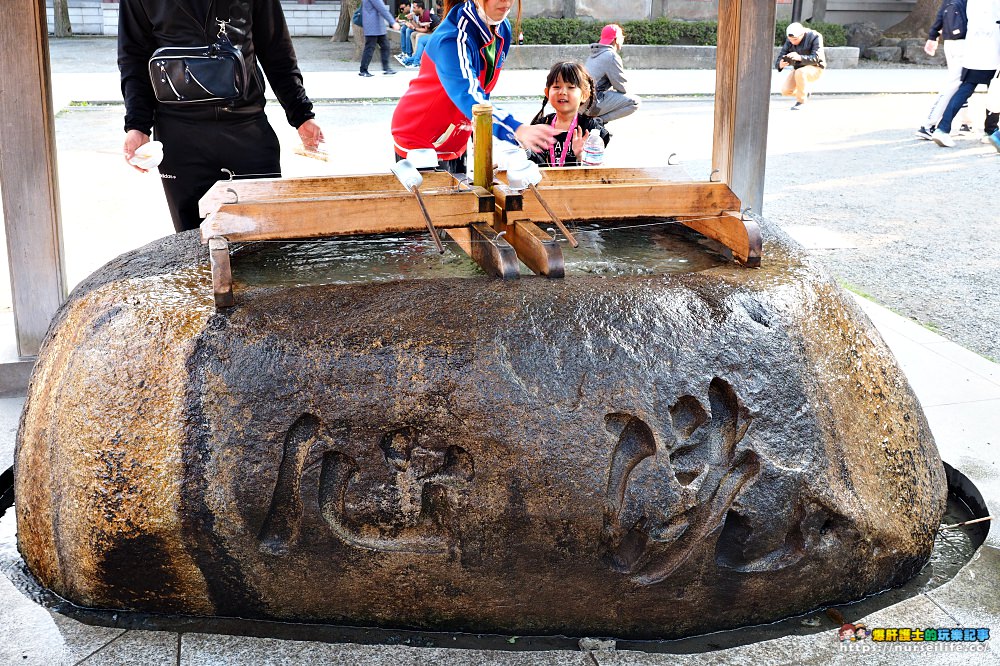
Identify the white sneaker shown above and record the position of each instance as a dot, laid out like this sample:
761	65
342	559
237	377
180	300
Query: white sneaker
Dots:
943	139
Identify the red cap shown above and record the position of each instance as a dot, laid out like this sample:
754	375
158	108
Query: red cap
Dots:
611	33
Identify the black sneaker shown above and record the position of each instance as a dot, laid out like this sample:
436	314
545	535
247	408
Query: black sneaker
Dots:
389	72
965	129
924	133
365	74
798	106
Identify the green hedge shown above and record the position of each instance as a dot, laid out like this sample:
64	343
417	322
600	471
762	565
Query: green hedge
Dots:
656	31
833	34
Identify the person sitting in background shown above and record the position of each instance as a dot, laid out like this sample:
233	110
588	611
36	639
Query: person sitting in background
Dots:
403	18
605	66
803	51
569	90
420	40
424	27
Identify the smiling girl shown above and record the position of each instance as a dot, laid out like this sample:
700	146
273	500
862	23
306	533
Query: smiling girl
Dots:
568	89
458	70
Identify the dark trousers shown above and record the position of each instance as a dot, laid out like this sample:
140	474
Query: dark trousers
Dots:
992	119
196	150
970	79
383	47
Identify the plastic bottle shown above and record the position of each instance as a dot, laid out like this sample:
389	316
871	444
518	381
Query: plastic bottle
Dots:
593	150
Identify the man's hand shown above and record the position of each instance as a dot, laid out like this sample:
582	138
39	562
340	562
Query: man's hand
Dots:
311	134
395	26
930	47
794	56
133	139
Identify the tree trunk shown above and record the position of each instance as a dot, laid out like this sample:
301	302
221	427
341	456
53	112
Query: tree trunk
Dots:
343	30
917	22
60	15
569	9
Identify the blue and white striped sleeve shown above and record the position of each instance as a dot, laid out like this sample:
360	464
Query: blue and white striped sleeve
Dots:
458	69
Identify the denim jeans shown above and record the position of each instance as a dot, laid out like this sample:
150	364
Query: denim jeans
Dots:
960	97
415	58
404	40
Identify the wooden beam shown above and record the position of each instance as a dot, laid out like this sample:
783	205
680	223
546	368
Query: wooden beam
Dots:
222	272
262	189
742	93
484	246
539	251
28	174
611	175
589	201
742	236
508	199
340	215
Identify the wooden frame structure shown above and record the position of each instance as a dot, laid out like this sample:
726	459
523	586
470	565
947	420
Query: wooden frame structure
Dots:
30	190
494	224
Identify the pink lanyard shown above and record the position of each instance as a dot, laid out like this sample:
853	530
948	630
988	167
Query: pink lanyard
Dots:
566	143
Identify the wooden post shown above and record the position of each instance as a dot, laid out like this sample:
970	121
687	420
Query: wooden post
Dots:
28	173
222	272
482	168
742	92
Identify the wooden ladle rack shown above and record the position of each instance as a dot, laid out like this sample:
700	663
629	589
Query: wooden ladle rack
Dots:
495	225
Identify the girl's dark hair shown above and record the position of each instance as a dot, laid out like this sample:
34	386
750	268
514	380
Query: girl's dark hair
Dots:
574	74
449	4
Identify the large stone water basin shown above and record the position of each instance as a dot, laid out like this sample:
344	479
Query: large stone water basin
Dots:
631	453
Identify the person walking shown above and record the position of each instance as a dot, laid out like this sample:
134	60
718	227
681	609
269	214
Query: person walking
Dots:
613	101
980	62
375	17
951	25
803	52
200	140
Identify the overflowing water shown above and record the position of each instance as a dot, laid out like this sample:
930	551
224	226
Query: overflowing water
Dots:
643	247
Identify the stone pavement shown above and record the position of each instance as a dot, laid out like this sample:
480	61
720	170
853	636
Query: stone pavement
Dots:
959	390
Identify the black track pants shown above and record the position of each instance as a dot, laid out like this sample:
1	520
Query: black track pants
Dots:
195	151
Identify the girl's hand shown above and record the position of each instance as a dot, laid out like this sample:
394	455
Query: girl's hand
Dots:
133	139
579	138
536	138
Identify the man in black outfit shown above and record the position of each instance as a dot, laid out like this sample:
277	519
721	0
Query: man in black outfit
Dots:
201	140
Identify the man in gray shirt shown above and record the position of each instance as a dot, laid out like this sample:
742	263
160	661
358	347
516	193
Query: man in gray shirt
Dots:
605	67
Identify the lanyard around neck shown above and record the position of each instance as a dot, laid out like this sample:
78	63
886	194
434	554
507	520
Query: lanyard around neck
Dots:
566	144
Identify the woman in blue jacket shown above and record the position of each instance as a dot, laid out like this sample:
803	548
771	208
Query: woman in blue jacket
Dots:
375	17
458	70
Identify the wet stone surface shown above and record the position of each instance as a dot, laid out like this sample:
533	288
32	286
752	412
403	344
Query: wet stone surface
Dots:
698	450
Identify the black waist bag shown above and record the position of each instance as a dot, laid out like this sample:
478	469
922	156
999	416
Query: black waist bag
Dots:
212	74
